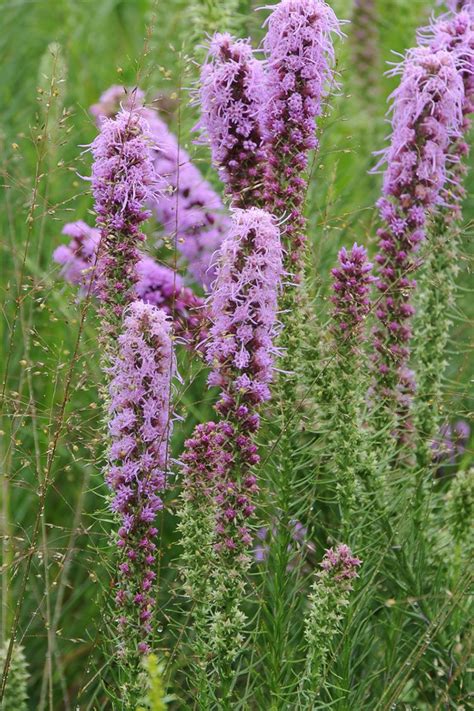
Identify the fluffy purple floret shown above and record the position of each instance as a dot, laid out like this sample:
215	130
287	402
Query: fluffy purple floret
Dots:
137	471
232	95
427	117
340	564
123	182
352	280
243	309
189	210
300	56
78	258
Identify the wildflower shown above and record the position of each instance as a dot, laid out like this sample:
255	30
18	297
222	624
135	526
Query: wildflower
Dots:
437	282
300	56
427	114
123	182
243	313
352	280
327	602
232	82
137	470
219	458
189	210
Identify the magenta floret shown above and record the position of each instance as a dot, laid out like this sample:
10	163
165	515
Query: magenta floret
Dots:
137	471
232	95
427	118
300	57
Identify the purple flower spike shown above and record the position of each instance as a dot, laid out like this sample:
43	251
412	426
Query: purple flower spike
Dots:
190	211
427	117
243	313
139	427
232	82
340	564
123	182
243	308
78	258
351	286
300	57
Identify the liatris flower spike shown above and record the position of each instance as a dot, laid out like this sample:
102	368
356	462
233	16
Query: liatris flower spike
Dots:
329	597
352	280
219	457
300	56
137	472
243	313
232	97
427	116
190	211
123	182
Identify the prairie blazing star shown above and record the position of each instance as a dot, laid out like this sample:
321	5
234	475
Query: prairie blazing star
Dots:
437	282
427	116
190	211
300	56
327	603
123	182
352	280
137	471
231	98
220	456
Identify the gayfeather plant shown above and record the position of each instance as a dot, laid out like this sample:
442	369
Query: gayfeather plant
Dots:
441	255
352	280
190	211
327	602
220	457
137	470
300	57
427	116
123	182
232	98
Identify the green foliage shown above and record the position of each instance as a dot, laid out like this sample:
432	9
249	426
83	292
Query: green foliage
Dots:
156	698
16	696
